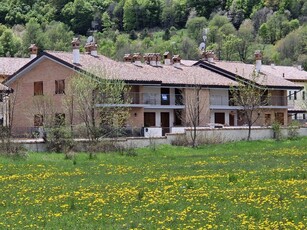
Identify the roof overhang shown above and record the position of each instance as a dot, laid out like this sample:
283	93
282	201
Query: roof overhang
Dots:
236	77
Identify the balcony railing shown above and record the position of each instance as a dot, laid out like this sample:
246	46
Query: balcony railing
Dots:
225	101
155	99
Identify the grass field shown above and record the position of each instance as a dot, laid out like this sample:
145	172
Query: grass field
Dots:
243	185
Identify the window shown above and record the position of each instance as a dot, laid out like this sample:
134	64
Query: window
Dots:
295	95
304	116
59	86
303	95
60	119
289	95
165	96
1	97
267	119
38	88
38	120
279	117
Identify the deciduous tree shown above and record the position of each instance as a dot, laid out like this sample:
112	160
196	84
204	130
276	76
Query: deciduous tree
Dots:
98	101
250	95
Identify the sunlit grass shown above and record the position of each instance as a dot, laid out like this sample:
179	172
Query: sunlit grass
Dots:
242	185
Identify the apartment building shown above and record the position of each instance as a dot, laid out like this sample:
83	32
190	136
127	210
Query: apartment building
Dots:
162	88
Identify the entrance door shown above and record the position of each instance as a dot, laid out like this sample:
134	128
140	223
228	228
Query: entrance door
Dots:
231	119
149	119
219	118
165	123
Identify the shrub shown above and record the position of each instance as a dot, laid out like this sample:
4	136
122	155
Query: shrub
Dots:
9	149
13	150
59	139
293	129
277	135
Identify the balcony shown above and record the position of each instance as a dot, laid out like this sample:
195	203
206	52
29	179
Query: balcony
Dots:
224	101
153	99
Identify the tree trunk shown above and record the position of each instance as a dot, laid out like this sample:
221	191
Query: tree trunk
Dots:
250	123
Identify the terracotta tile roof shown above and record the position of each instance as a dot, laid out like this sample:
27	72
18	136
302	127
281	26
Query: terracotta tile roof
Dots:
147	73
188	62
9	65
290	73
270	76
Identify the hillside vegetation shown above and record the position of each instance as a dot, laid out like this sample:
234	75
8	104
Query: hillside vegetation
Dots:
241	185
235	28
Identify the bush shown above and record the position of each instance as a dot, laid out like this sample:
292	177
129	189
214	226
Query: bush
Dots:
13	150
59	139
293	130
9	149
277	135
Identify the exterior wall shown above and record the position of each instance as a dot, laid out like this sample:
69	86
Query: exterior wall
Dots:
136	118
298	104
189	95
219	97
278	97
221	135
261	121
46	71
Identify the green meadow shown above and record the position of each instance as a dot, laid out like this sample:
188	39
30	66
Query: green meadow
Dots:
240	185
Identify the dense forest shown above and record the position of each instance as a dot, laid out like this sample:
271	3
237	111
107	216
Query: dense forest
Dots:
234	28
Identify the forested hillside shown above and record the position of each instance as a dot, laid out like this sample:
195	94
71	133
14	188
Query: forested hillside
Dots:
235	28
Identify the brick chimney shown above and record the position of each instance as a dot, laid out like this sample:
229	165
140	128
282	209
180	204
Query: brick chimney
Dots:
137	57
167	58
87	48
258	58
33	51
158	59
153	59
176	61
91	48
208	56
128	58
75	43
94	49
146	58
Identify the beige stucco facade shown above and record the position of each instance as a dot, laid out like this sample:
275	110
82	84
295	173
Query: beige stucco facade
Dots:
190	100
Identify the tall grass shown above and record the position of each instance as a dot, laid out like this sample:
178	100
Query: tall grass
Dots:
240	185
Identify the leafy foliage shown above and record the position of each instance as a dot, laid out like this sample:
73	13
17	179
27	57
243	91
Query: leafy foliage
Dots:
235	27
